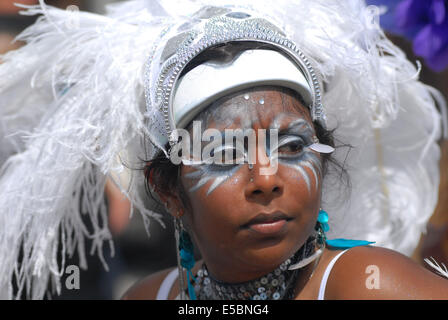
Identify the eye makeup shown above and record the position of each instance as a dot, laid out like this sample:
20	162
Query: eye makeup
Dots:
206	172
307	159
298	134
230	152
221	172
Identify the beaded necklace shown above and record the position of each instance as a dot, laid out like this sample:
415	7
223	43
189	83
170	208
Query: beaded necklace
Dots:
277	285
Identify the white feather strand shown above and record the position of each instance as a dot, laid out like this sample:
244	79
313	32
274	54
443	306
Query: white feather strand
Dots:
441	269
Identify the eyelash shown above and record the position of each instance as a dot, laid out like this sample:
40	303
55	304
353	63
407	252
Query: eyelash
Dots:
233	157
296	143
296	146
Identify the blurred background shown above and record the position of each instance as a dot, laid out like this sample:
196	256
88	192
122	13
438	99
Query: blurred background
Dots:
137	255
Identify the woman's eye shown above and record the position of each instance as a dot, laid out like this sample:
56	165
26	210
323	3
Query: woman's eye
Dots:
290	145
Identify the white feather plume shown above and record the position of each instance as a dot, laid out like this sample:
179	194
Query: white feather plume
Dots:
71	115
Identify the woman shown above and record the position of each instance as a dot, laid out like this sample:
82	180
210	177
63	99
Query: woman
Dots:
287	75
249	224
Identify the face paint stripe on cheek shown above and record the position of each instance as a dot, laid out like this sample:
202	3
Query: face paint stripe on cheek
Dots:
316	163
310	166
200	183
194	175
224	176
303	173
308	160
216	183
205	174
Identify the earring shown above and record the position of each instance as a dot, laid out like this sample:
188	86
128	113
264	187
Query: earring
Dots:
185	259
177	233
341	243
319	239
322	218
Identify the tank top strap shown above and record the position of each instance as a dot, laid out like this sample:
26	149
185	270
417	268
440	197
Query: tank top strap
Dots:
166	285
323	283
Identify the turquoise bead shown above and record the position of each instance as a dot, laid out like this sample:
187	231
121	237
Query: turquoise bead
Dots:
322	218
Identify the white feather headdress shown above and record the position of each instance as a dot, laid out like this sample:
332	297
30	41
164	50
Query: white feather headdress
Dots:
72	113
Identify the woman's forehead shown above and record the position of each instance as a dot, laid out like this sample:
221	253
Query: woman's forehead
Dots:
257	107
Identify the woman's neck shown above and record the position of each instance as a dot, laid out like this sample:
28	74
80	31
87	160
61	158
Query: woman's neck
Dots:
277	283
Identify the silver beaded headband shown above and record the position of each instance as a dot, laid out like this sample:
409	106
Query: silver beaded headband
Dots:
220	27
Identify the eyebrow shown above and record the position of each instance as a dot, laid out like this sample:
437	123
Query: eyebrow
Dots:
297	126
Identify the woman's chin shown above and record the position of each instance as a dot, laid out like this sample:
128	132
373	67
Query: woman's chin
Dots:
271	253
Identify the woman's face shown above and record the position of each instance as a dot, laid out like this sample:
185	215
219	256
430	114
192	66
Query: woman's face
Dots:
244	222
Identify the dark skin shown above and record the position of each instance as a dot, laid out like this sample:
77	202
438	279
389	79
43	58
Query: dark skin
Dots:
234	254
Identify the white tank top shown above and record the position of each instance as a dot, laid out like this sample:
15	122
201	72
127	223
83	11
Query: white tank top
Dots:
168	282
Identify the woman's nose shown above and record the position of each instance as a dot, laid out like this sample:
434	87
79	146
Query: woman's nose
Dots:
264	183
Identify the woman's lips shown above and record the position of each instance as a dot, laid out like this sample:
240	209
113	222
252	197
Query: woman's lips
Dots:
268	228
268	223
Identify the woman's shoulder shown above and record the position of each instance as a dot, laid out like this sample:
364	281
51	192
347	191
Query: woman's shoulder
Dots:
147	288
370	272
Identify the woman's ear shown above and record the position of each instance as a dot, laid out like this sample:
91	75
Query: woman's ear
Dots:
172	204
169	198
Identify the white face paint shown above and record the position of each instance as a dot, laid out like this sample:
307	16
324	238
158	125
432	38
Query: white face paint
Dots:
206	172
298	138
293	150
238	111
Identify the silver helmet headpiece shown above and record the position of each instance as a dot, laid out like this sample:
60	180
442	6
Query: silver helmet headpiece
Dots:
215	26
